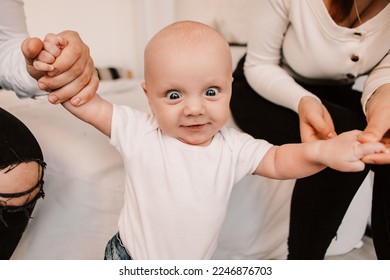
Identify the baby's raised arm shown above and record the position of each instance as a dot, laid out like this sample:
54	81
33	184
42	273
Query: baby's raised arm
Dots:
97	111
343	153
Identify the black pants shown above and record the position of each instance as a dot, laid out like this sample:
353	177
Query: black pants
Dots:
17	145
319	202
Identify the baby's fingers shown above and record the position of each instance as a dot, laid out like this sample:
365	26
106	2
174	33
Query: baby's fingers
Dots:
377	158
53	44
44	61
42	66
51	48
357	163
369	149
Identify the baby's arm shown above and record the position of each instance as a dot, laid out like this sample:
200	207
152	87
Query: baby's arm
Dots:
342	153
97	111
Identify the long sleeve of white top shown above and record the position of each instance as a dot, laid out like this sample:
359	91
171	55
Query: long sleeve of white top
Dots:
13	30
297	39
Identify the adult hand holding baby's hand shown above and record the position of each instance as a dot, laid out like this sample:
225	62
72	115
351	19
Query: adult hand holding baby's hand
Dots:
73	76
345	152
378	158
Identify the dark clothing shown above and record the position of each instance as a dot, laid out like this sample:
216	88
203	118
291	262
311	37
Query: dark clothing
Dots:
17	145
115	250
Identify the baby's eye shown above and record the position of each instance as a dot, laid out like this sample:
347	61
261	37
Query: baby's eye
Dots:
174	95
211	91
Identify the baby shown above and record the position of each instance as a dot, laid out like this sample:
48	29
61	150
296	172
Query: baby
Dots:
181	161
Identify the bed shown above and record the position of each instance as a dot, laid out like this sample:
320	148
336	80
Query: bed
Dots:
84	191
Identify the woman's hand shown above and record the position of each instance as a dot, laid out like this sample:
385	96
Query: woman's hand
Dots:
315	121
74	76
378	124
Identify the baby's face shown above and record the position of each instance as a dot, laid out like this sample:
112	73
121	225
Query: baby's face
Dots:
189	92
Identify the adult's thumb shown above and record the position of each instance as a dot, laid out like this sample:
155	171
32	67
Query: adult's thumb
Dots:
31	47
372	133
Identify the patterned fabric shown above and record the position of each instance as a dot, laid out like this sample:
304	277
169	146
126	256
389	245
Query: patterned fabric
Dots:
115	249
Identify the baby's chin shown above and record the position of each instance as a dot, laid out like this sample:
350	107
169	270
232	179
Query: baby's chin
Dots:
196	142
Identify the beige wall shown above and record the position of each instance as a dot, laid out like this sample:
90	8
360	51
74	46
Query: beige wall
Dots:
105	25
117	30
229	16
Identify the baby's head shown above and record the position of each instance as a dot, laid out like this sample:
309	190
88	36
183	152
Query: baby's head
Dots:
188	76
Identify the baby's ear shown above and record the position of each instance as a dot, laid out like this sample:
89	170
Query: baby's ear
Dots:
143	85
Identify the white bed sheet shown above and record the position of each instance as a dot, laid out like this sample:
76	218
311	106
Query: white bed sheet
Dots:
84	191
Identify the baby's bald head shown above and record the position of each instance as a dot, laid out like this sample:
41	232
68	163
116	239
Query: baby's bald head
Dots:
185	36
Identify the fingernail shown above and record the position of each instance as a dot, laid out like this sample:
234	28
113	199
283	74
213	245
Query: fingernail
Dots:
330	135
75	101
53	99
42	86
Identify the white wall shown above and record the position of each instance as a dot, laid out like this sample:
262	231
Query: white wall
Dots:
151	16
117	30
228	16
107	26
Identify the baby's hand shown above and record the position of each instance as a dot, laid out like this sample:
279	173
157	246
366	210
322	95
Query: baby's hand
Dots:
52	47
344	152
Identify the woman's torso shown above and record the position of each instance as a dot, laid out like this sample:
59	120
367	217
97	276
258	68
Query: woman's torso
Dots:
335	52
